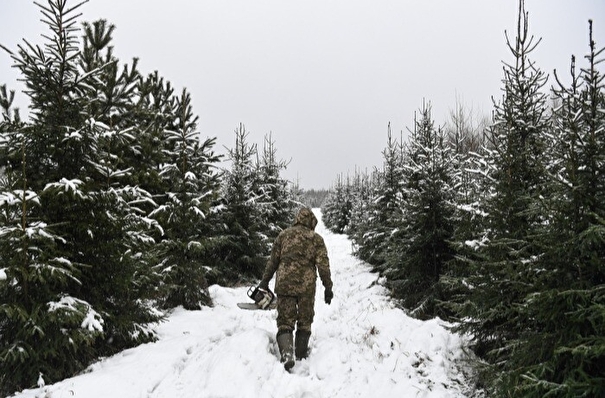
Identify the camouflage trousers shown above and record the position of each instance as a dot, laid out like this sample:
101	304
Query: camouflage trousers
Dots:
295	311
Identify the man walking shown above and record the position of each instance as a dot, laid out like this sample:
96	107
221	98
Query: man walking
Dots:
297	255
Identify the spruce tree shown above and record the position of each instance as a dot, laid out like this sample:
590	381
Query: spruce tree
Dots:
112	93
243	247
360	208
276	200
186	245
383	207
153	113
419	248
119	228
96	238
43	331
337	208
471	185
506	271
566	356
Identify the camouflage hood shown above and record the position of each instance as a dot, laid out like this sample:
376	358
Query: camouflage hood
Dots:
305	217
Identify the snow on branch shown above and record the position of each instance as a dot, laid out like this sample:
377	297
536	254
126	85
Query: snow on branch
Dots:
68	186
91	320
17	196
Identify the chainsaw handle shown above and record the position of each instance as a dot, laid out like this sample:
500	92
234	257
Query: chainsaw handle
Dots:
252	291
262	297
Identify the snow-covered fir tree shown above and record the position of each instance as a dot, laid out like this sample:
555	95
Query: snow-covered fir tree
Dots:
419	247
506	271
337	207
113	92
68	224
361	191
186	212
89	160
34	302
471	185
124	241
382	207
276	199
241	256
564	350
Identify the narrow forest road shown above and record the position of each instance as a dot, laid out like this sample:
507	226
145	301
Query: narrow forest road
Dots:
362	346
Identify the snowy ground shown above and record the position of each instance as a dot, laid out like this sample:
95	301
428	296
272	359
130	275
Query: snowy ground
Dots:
362	346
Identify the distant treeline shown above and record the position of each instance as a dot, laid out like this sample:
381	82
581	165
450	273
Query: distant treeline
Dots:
314	198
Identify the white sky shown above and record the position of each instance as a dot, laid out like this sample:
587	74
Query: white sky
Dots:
325	77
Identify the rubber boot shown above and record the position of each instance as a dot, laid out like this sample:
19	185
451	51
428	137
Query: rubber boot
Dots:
302	344
285	342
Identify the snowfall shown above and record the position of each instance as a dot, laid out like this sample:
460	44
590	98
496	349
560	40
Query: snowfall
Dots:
362	346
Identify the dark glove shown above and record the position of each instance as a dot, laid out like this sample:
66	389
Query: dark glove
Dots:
328	296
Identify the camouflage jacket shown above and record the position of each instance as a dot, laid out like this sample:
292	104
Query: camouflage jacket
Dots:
298	253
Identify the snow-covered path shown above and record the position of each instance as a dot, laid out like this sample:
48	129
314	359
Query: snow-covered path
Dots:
362	346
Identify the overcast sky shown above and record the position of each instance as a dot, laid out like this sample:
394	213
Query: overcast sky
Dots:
325	77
